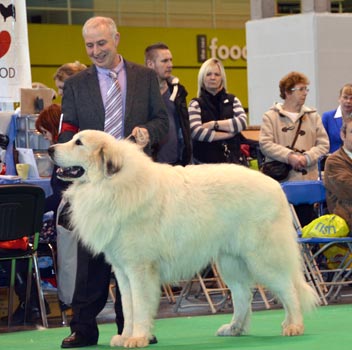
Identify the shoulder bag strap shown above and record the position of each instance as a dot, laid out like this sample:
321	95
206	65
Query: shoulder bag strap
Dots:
297	132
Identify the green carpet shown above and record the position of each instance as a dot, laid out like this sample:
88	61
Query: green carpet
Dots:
327	328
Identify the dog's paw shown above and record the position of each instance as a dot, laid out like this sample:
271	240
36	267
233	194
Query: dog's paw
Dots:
229	330
117	340
136	342
292	330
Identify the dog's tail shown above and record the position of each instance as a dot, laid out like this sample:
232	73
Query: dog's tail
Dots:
308	297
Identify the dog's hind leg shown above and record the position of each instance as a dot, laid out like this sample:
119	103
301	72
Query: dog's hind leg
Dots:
286	293
281	281
236	275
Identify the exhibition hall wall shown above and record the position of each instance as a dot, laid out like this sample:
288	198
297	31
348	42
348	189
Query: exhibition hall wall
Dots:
316	44
255	58
52	45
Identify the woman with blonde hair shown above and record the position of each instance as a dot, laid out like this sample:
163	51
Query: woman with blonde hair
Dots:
216	118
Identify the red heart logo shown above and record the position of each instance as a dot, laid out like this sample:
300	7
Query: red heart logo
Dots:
5	41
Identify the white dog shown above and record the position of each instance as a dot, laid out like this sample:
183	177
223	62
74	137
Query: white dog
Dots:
156	223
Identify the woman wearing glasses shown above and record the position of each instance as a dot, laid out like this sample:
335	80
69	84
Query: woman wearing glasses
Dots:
283	121
333	120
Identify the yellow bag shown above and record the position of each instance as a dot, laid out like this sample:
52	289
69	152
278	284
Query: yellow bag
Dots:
335	254
329	225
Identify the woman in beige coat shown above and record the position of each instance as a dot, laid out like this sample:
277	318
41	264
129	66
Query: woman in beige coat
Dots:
278	130
280	124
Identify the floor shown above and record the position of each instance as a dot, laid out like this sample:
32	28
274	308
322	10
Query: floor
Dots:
194	304
327	328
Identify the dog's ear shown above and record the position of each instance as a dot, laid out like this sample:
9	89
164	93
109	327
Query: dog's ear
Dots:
111	168
110	162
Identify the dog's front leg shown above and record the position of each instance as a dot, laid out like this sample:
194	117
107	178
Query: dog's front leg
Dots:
145	287
126	296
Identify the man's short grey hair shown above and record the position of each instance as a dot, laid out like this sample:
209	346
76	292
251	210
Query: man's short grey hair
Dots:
100	21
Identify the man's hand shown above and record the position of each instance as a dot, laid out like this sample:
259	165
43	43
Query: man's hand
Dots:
141	136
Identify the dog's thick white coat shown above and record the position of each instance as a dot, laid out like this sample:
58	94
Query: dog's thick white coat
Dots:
156	223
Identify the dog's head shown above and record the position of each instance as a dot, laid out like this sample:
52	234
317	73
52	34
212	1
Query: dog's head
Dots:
89	156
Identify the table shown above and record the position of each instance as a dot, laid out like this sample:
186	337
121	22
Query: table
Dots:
44	183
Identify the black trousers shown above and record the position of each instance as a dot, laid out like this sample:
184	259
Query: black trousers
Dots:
91	293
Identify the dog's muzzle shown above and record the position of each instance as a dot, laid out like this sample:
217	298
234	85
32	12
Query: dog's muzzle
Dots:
66	173
72	172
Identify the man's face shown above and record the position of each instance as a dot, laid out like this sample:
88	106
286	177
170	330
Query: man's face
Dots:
162	64
347	139
101	46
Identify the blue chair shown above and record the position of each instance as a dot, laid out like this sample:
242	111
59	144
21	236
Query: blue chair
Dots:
313	192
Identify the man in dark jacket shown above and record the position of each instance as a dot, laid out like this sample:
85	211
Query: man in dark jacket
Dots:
338	176
175	148
84	106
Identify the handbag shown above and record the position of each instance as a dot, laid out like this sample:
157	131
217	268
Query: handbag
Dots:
278	170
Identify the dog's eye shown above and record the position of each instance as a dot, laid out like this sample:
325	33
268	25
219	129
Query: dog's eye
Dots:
78	142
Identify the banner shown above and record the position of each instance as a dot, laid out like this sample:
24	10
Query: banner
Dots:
15	69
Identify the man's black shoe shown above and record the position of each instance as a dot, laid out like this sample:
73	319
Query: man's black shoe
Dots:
153	340
76	340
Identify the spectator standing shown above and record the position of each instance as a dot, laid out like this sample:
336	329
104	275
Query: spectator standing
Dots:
175	148
278	129
216	117
333	120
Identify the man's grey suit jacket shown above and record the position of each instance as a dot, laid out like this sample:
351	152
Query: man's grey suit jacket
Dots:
82	104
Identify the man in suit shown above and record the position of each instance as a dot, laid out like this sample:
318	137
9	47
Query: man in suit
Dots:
143	115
